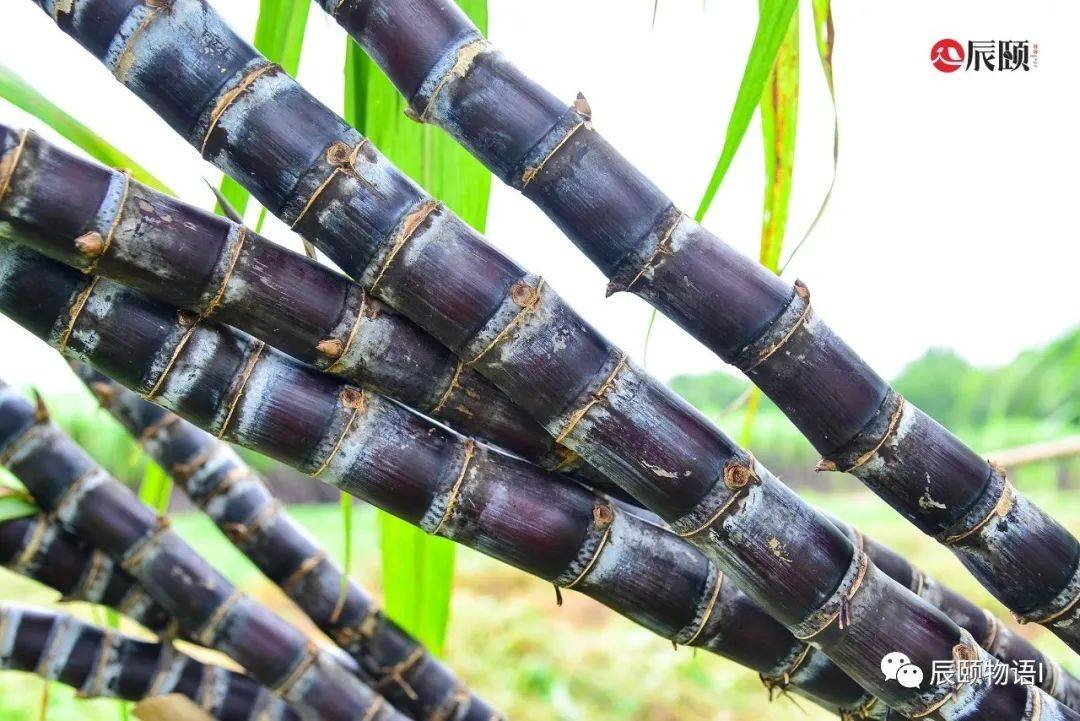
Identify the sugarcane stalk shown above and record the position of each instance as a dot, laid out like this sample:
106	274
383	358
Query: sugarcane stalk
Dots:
43	166
257	397
711	491
122	229
39	548
65	482
452	77
232	494
103	663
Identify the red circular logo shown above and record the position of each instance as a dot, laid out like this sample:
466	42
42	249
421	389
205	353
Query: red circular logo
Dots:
947	55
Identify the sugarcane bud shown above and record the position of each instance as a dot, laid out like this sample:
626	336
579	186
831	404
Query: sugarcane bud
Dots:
413	115
962	652
103	391
187	318
330	348
352	398
41	412
581	105
737	476
603	516
1000	469
338	154
90	244
826	465
524	294
802	291
169	707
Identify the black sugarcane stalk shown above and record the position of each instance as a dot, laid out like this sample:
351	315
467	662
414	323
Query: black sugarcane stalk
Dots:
39	548
333	187
102	663
452	77
46	173
65	482
449	485
122	229
241	505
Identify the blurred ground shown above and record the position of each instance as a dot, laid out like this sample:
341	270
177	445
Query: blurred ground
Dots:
537	661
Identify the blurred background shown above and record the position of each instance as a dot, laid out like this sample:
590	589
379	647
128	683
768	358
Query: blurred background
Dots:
947	255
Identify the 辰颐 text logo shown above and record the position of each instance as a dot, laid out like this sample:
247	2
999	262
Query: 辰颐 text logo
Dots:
949	55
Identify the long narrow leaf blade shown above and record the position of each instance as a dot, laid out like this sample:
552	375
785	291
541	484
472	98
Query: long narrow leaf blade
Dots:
279	35
825	38
417	570
779	119
772	27
24	96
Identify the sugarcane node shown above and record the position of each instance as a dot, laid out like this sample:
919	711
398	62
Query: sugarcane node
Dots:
90	245
352	398
338	154
738	475
330	348
603	516
581	106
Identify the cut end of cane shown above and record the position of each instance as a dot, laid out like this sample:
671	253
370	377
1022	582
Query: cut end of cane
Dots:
89	245
330	348
826	465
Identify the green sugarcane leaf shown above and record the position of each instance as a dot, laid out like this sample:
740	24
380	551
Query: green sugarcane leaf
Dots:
346	504
279	35
779	118
825	39
417	569
156	487
22	95
15	505
773	24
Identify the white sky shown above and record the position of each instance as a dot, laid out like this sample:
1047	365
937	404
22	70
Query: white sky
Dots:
953	221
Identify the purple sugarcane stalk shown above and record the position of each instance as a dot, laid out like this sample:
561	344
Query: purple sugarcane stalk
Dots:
141	240
102	663
241	505
452	77
39	548
66	482
247	393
